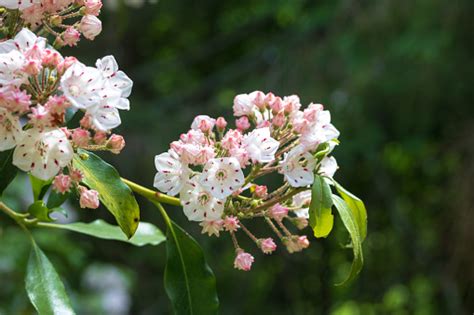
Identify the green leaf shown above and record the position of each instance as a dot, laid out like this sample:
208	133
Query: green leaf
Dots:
7	169
350	222
320	214
44	287
146	234
189	281
39	186
357	207
113	193
40	211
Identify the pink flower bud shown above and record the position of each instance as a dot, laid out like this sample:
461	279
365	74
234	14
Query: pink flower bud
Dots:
18	101
32	67
100	137
93	6
279	120
65	64
276	105
90	26
116	143
291	103
80	137
89	198
303	242
261	191
76	175
278	212
264	124
269	98
311	113
242	123
51	58
203	123
221	123
71	36
243	260
267	245
62	183
231	223
259	99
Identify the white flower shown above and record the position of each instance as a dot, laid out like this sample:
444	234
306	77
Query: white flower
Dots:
298	167
244	104
321	131
198	203
222	176
302	200
43	152
82	85
11	68
260	146
17	4
10	130
114	78
172	174
328	166
104	117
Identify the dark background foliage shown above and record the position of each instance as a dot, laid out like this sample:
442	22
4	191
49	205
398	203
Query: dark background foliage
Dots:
397	77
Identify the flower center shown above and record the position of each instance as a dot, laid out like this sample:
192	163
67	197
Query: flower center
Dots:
221	174
74	90
203	198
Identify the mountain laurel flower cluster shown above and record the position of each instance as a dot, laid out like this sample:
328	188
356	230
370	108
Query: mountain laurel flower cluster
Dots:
40	91
216	170
65	20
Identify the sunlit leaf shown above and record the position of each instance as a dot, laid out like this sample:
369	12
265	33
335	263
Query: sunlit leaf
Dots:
189	281
39	186
40	211
146	234
357	207
113	193
320	213
350	222
44	287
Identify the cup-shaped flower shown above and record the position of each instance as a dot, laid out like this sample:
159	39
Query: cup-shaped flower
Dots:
43	152
198	203
172	174
260	145
298	167
81	85
222	176
11	69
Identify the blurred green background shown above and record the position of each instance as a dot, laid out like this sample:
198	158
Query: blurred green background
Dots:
398	79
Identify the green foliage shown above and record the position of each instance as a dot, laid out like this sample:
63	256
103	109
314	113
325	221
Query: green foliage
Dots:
320	213
189	282
146	233
7	169
357	207
113	193
40	187
40	211
44	287
352	226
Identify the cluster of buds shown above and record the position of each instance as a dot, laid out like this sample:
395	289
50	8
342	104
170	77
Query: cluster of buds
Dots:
214	169
39	90
66	20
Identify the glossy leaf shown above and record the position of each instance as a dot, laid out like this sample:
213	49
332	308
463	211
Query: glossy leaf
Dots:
320	213
44	287
357	207
113	193
350	222
146	234
7	170
189	281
